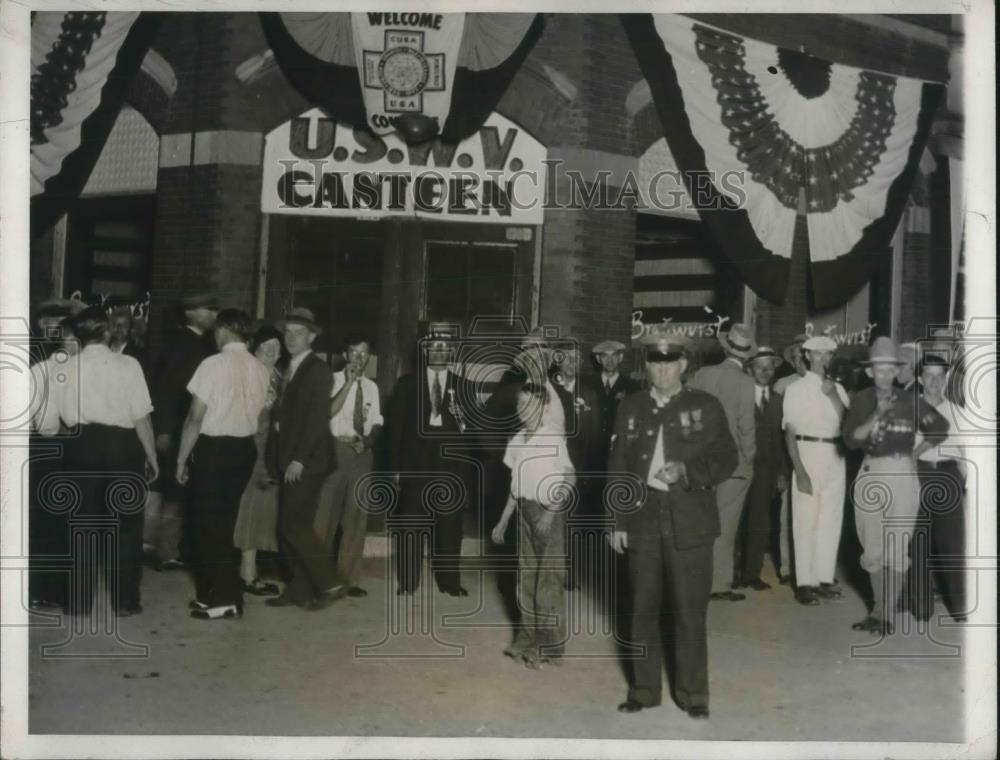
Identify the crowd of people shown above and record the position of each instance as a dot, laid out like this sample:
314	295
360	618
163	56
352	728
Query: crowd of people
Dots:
239	440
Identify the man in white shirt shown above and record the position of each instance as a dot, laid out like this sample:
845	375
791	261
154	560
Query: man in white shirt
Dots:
355	423
228	391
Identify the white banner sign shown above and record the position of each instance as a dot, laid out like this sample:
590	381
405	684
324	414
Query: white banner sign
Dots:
314	166
407	64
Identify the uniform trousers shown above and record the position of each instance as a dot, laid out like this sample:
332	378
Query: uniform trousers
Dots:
541	580
339	506
759	506
942	510
313	570
220	471
656	566
886	500
731	496
424	513
108	462
817	518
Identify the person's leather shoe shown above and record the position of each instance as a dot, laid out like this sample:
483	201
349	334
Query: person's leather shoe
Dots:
224	612
727	596
758	585
698	712
828	591
194	604
356	592
631	706
324	600
283	601
806	596
871	624
172	564
261	588
785	579
459	591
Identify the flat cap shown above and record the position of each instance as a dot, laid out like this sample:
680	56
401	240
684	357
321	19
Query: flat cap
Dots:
608	346
820	343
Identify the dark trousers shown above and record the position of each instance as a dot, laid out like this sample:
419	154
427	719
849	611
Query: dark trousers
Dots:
313	570
220	470
541	580
942	509
757	519
423	512
107	525
48	527
658	572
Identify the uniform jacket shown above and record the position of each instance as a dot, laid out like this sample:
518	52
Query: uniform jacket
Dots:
413	444
734	388
170	369
696	433
583	426
301	430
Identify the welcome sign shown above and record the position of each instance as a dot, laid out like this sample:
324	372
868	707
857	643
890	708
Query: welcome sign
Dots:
314	166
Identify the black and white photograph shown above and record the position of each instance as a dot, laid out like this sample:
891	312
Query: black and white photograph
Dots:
552	380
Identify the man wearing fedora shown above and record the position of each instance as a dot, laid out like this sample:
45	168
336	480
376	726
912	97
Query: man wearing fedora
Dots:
674	442
812	409
884	421
171	366
430	420
735	390
300	459
770	466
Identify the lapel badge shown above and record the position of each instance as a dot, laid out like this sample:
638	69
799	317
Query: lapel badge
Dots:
685	418
696	415
631	424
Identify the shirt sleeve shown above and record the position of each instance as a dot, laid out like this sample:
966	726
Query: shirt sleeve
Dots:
508	454
201	384
788	408
375	413
141	405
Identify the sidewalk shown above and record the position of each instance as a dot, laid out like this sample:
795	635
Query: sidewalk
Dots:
778	671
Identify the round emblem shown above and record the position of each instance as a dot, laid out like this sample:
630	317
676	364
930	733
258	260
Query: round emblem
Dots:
403	71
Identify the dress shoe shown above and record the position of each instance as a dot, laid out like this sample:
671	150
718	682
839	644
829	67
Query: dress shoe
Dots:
806	596
260	588
194	604
44	605
356	592
459	591
284	600
631	706
324	600
132	609
784	579
172	564
872	624
223	612
698	712
828	591
758	585
727	596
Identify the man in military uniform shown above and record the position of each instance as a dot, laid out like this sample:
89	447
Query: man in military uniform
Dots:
676	442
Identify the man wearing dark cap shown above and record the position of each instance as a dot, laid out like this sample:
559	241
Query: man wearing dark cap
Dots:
674	443
171	367
735	390
611	386
300	460
430	414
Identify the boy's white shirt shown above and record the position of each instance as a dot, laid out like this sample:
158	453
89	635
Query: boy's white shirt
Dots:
536	459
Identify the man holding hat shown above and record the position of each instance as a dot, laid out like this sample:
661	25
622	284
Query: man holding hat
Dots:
611	386
793	355
300	461
735	390
171	366
813	408
429	419
770	467
883	422
675	442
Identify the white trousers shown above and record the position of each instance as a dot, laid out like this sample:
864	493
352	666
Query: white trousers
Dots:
817	518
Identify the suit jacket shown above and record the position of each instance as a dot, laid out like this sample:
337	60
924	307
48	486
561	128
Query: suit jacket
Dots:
734	388
771	459
696	433
582	410
301	421
609	400
415	445
171	367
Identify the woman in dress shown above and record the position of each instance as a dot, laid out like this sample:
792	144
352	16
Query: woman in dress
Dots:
258	517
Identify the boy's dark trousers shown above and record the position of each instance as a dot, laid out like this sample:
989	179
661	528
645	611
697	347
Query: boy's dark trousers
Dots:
541	578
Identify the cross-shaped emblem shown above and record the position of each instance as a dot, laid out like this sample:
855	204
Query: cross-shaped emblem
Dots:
403	71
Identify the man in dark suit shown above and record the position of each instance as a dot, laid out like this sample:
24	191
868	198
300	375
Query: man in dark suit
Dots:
429	414
300	458
611	386
170	368
582	412
770	466
676	446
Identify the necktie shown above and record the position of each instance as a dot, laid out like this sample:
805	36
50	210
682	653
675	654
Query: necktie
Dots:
436	396
359	409
607	384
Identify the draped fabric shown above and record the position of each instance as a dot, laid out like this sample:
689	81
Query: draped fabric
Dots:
764	134
322	57
81	67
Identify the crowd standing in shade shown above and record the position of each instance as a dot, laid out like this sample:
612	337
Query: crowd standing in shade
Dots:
260	448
